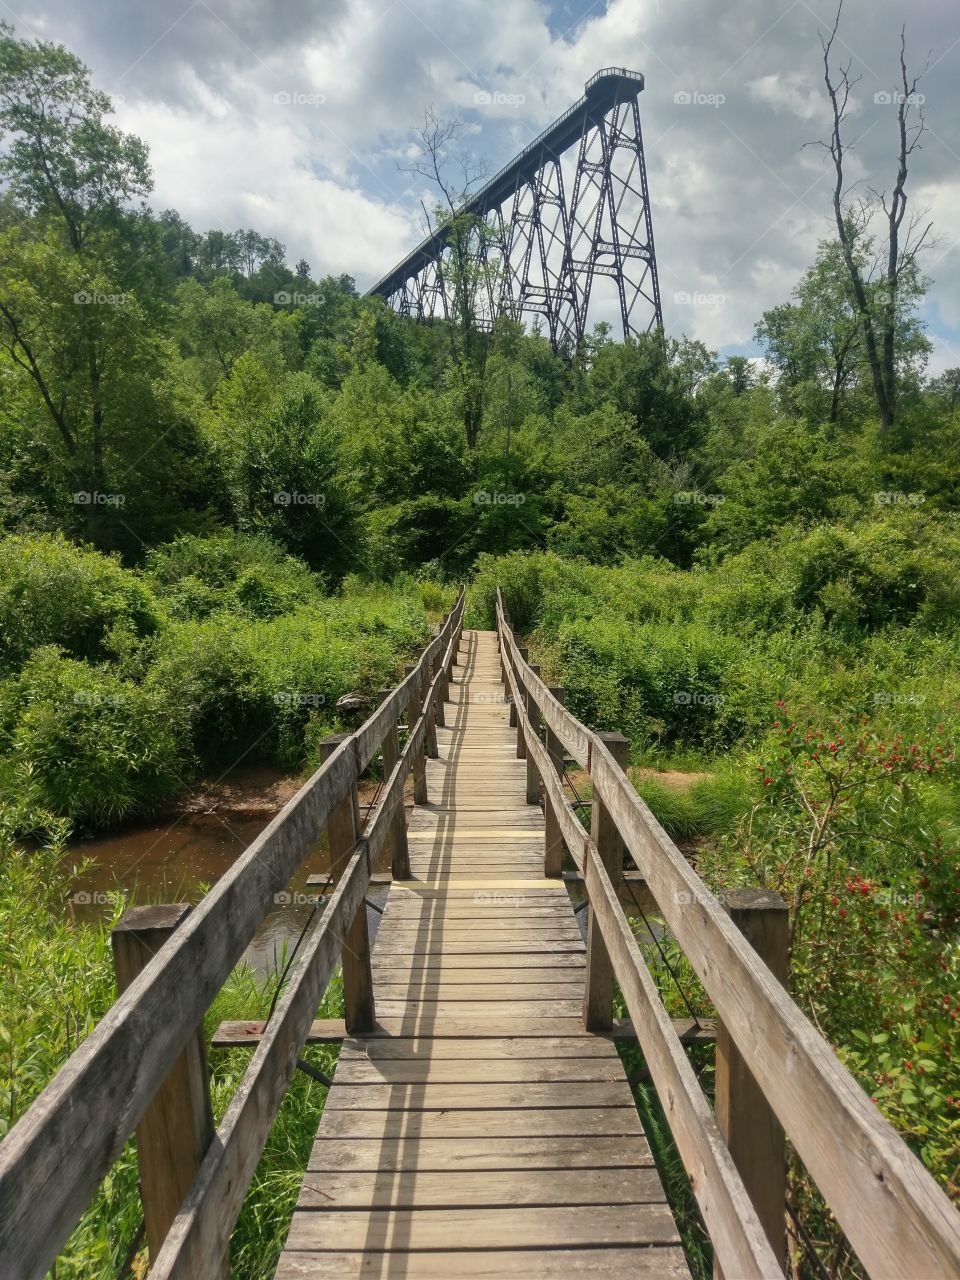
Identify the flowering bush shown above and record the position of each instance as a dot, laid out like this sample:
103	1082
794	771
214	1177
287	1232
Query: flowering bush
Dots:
845	827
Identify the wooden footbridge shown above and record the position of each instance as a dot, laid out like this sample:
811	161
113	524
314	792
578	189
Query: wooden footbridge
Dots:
479	1123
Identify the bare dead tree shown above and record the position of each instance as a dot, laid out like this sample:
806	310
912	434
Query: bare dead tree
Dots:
469	272
877	308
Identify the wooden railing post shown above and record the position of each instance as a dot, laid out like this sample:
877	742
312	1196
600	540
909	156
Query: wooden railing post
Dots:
343	831
553	841
533	775
399	850
752	1131
428	671
514	711
419	756
439	714
598	996
177	1127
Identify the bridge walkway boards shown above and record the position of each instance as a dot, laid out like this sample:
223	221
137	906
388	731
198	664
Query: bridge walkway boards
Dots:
480	1131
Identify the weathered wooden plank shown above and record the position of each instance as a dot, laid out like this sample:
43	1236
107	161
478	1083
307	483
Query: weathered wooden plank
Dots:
465	980
467	1097
417	989
527	1228
479	946
365	1070
200	1233
533	967
642	1262
230	1035
480	1009
53	1159
494	1188
549	1046
468	1154
412	1024
553	926
574	1122
737	1235
894	1214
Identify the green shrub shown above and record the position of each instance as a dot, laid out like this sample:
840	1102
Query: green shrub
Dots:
55	593
678	683
253	576
210	672
86	745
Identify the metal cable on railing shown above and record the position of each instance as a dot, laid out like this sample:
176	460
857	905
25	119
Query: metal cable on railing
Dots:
663	956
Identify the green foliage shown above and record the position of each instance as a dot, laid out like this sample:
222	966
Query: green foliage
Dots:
82	743
56	983
54	593
195	577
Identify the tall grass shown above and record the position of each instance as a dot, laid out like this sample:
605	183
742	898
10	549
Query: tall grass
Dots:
56	983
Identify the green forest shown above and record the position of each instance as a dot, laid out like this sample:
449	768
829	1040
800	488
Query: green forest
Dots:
231	493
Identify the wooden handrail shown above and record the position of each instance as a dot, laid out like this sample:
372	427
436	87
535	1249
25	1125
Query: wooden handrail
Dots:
892	1211
54	1158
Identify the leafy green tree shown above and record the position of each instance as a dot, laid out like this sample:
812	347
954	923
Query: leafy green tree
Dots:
816	341
740	372
216	327
69	319
61	158
646	378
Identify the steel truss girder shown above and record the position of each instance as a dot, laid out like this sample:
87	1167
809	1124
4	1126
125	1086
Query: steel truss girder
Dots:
547	240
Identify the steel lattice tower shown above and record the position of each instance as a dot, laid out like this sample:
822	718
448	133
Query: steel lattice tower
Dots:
571	207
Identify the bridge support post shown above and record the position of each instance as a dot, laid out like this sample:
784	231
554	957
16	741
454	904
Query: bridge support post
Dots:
553	841
430	738
514	714
177	1127
598	996
343	831
399	850
751	1129
419	757
439	712
533	775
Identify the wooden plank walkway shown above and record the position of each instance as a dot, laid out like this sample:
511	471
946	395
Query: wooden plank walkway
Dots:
480	1132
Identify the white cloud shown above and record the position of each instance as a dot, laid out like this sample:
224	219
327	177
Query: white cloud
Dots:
738	201
790	92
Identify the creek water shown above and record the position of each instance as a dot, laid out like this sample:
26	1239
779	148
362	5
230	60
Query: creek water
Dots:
178	860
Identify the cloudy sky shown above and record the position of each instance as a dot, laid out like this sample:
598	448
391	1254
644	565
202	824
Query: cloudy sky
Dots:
293	117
